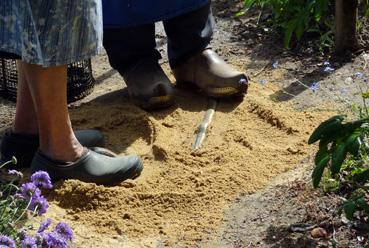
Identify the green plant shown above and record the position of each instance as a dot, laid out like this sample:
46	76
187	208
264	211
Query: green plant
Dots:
344	149
336	141
355	203
295	17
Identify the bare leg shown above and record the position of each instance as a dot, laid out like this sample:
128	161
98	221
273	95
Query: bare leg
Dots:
48	88
25	117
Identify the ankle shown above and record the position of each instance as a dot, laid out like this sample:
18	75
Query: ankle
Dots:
63	153
26	131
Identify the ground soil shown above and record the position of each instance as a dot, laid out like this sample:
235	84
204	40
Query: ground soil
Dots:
248	182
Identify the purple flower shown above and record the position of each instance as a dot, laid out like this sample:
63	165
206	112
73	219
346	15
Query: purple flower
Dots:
359	74
53	240
29	190
275	64
64	231
38	204
314	86
16	175
343	91
28	242
6	242
12	172
22	234
44	225
262	82
41	179
327	63
40	239
328	69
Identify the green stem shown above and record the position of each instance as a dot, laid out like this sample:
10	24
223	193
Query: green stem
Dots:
25	210
364	102
6	163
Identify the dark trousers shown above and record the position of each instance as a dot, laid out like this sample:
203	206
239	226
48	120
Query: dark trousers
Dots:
187	35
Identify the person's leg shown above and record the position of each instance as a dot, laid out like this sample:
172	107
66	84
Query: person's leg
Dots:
193	61
127	46
22	139
189	34
132	52
60	153
25	121
48	89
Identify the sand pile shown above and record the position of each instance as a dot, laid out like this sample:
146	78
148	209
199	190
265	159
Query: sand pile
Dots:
180	198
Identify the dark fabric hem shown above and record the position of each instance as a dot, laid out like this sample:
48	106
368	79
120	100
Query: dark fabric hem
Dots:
163	17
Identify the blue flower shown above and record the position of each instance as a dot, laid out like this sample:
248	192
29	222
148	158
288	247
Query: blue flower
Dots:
262	82
53	240
39	204
327	63
64	231
41	179
314	86
6	242
28	242
328	69
44	225
275	64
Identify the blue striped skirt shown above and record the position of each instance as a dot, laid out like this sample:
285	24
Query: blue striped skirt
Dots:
51	32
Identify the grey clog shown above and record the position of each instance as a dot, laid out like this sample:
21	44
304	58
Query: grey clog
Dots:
92	167
24	146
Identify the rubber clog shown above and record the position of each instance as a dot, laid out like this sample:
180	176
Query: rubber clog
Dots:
148	86
92	167
211	74
23	146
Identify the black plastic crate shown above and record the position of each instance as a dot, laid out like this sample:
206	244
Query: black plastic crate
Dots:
80	80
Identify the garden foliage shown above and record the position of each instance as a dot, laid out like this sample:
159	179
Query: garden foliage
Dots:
297	17
342	159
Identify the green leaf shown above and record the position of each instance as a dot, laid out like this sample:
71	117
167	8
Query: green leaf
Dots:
363	204
240	13
321	7
328	127
319	169
322	153
339	153
352	126
353	146
289	29
362	176
300	29
249	3
349	208
365	95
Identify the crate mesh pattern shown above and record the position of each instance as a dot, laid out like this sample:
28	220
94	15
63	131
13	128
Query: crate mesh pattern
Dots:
80	80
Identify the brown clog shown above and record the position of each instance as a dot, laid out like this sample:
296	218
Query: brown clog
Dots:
212	75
